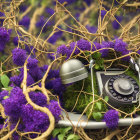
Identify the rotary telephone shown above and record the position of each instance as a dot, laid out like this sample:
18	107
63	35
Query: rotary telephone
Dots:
119	87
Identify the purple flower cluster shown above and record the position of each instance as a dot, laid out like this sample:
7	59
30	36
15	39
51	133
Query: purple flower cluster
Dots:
35	73
1	20
55	37
31	120
25	21
111	118
12	105
22	8
3	94
71	49
96	46
32	63
118	45
38	98
41	23
138	51
115	23
55	110
103	13
51	56
62	50
4	38
50	11
30	49
105	46
91	29
57	85
15	40
19	56
17	80
84	45
88	2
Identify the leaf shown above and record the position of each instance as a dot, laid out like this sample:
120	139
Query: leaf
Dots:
8	88
5	80
96	66
55	132
106	98
97	55
5	97
73	137
99	105
97	116
61	137
66	130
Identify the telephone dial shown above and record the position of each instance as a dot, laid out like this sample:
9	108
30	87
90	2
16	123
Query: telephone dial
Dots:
120	88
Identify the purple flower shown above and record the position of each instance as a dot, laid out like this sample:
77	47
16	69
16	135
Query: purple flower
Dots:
49	85
27	112
2	46
97	45
115	23
77	15
111	118
84	45
4	38
62	50
41	121
32	63
111	44
3	94
44	68
55	37
51	56
36	120
91	29
17	93
29	49
36	73
72	47
55	109
50	11
19	56
16	108
103	13
127	58
138	51
105	46
1	20
4	35
120	46
16	80
12	105
25	21
41	23
15	40
56	73
38	98
88	2
30	79
58	86
22	8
